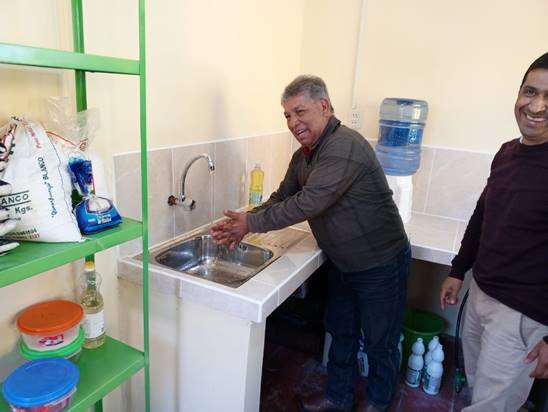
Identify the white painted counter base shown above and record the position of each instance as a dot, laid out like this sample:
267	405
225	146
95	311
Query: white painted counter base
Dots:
220	365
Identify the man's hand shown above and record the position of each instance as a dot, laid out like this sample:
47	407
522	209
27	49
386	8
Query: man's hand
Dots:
540	352
230	231
220	232
449	291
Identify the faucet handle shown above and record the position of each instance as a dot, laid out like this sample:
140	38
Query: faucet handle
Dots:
172	200
188	204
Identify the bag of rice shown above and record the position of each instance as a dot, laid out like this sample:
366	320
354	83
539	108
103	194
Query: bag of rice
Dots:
41	196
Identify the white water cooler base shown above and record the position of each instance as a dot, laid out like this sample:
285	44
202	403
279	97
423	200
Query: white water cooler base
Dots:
402	187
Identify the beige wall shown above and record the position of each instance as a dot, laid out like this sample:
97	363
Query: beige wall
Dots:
22	89
215	69
465	58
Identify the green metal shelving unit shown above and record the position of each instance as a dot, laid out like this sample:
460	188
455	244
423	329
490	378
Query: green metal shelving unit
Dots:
105	368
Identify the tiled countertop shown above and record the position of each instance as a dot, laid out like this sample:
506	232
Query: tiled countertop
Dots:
254	300
433	239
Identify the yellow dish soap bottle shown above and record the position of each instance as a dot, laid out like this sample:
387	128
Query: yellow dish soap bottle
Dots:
256	186
92	302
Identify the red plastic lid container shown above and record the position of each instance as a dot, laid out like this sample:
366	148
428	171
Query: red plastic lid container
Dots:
53	316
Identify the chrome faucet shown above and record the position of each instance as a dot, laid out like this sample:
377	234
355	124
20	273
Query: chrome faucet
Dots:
182	200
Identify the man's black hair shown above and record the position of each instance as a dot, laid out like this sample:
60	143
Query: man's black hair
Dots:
540	63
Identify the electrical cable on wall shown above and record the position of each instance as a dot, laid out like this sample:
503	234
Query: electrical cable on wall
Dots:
358	55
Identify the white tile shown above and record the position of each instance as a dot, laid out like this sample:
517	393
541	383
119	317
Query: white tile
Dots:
432	231
127	175
293	283
281	155
160	181
458	177
268	306
421	179
131	270
295	266
458	236
127	186
429	254
127	182
230	176
277	273
244	302
131	248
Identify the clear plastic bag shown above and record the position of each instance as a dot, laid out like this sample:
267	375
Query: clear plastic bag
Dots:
76	129
75	132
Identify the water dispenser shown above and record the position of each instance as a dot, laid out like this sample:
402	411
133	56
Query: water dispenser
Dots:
401	125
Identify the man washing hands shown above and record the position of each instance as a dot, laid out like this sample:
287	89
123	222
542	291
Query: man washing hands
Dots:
335	182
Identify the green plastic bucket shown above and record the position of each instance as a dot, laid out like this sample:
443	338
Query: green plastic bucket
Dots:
419	324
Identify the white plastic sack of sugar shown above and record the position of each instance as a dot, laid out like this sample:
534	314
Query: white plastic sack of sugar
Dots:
41	196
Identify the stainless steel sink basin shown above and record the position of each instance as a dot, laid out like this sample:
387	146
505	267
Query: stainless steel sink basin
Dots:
198	255
202	257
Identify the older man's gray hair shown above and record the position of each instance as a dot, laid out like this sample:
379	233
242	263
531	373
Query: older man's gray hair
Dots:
312	87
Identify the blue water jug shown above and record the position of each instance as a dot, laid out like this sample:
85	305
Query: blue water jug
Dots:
401	125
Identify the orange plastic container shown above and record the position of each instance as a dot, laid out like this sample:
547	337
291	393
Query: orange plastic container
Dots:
50	325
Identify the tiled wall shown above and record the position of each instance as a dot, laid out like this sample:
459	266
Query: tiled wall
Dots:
447	184
226	188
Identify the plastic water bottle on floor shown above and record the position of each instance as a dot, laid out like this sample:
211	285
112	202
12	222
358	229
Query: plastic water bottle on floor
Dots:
432	345
363	363
400	349
415	364
434	372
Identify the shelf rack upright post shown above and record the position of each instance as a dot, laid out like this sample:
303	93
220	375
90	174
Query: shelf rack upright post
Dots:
105	368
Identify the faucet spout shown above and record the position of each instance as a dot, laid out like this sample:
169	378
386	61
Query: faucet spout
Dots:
187	203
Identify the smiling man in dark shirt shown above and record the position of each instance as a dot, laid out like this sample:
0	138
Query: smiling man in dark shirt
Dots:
505	335
335	182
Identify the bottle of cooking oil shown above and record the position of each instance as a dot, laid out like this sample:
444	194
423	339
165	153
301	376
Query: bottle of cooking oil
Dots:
92	302
256	186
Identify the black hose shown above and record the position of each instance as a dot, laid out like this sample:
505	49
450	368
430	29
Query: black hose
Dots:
458	376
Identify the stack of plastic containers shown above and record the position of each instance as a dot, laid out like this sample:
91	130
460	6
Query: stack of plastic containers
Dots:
71	352
51	329
51	337
398	148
